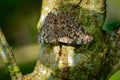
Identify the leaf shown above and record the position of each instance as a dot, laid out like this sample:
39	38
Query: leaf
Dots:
115	76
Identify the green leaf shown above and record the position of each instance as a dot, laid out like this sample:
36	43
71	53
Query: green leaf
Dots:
110	25
115	76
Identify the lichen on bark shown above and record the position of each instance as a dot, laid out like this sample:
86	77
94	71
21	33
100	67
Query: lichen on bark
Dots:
100	60
91	61
7	55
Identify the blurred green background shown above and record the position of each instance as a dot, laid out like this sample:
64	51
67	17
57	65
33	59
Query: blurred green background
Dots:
113	15
18	20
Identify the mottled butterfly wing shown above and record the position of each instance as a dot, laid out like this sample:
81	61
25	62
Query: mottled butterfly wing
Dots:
65	39
46	33
63	28
69	31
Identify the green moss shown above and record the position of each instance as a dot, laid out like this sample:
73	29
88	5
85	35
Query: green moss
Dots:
92	21
94	59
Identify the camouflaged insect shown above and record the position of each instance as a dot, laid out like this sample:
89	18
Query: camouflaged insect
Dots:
62	28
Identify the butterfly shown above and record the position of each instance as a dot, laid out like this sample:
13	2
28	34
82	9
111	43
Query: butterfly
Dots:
62	28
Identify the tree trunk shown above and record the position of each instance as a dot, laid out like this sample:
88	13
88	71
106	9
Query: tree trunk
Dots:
92	61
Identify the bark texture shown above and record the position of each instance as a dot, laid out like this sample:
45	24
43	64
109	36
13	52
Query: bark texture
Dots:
7	55
91	61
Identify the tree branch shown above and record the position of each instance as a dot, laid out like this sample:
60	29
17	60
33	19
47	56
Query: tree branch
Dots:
7	55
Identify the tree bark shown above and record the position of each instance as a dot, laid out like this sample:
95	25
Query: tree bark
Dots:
7	55
91	61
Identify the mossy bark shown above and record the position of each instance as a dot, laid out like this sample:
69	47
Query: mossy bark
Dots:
92	61
7	55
